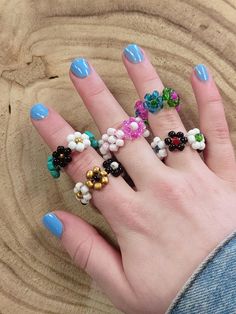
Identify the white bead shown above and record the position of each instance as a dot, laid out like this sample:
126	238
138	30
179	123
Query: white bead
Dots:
202	146
107	156
191	132
153	144
85	136
70	138
72	145
120	134
120	142
105	137
84	189
161	144
114	165
196	131
87	143
100	142
196	145
163	153
105	145
156	139
78	186
138	119
113	148
79	147
191	139
111	139
146	133
84	202
103	150
134	126
77	134
111	131
87	197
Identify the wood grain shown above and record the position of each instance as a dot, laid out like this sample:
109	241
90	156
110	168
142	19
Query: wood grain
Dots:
38	40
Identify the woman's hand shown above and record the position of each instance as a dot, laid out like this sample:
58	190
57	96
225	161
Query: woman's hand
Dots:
180	210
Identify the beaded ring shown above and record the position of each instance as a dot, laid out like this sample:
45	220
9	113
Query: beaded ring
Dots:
97	178
155	102
140	111
196	139
159	147
82	193
176	141
134	128
111	142
62	156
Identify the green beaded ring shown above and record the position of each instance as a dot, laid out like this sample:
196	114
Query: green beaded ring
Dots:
94	142
170	98
55	173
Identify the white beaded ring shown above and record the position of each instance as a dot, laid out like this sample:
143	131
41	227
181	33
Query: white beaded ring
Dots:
159	147
78	141
111	142
196	139
82	193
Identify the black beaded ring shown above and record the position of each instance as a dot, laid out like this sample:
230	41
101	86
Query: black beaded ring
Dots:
176	141
113	167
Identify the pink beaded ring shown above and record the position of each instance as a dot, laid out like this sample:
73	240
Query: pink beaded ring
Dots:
130	129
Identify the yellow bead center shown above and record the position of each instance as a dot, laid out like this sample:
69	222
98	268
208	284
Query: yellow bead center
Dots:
78	140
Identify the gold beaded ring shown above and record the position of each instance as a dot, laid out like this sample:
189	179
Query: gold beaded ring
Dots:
96	178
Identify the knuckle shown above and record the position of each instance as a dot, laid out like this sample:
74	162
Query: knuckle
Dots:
220	132
82	252
169	118
82	163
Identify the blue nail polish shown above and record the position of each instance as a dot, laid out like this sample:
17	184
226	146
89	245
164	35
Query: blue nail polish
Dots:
53	224
38	112
133	53
80	68
201	72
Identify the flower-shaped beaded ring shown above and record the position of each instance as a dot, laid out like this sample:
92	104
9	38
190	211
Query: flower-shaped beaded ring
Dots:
176	141
82	193
141	111
97	178
134	128
153	102
113	167
78	141
111	142
61	157
196	139
170	98
159	147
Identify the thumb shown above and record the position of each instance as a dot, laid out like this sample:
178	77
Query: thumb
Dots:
91	252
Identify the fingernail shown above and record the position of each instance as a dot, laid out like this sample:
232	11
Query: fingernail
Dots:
38	112
53	224
133	53
80	68
201	72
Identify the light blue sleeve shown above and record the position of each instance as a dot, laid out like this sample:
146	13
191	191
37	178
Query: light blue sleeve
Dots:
212	287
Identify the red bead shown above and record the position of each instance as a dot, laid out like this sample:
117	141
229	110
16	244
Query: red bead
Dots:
176	141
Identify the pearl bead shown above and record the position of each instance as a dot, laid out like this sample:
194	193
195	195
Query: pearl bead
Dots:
120	142
134	126
113	148
114	165
84	189
79	147
111	131
111	139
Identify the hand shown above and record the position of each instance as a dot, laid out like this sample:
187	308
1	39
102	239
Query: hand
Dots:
180	210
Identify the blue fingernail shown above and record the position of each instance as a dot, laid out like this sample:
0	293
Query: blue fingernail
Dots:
201	72
80	68
38	112
133	53
53	224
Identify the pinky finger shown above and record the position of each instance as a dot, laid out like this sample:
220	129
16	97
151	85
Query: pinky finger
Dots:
219	154
91	252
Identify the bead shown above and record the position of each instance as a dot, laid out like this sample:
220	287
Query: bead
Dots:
84	189
170	97
113	148
133	128
180	134
96	169
141	111
97	186
196	139
103	173
153	102
89	174
111	139
104	180
111	131
89	184
159	147
120	143
171	134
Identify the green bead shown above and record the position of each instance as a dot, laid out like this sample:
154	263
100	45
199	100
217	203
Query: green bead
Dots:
94	143
166	93
50	164
199	137
90	135
55	174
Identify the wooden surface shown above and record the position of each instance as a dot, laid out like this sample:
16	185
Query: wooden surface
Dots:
38	39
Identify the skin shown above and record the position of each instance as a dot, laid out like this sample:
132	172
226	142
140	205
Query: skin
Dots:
182	209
